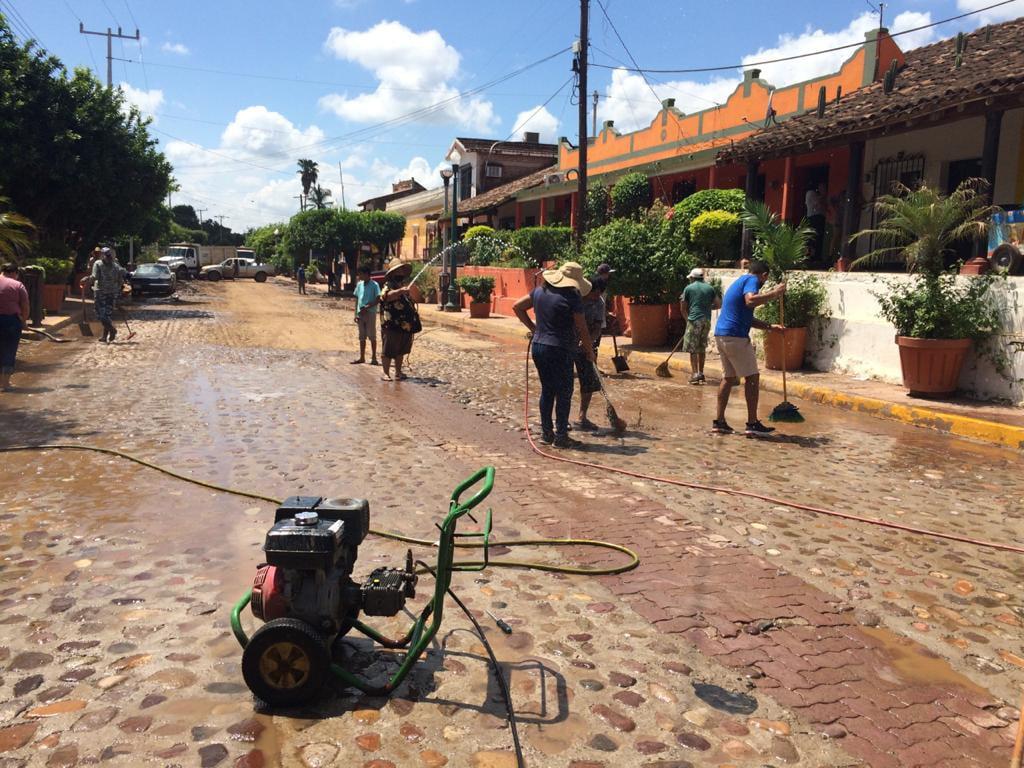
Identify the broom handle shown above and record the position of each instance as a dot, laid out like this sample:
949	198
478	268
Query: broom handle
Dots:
782	322
1018	745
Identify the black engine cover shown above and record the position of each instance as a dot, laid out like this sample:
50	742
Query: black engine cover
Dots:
385	591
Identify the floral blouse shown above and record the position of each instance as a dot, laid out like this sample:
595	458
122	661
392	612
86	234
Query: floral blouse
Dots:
400	314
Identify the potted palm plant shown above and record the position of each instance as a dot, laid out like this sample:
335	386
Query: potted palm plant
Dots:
479	290
937	315
784	248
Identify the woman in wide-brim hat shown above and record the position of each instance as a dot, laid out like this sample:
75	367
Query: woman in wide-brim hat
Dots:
399	320
559	334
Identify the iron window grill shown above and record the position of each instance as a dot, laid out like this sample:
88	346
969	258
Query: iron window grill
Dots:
890	172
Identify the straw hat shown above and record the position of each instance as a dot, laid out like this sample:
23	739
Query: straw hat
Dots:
398	267
569	275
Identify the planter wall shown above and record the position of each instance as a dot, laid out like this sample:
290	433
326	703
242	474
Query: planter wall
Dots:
649	324
53	297
795	346
931	367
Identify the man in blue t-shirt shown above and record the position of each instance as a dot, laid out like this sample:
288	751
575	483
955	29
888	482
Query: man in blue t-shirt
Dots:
732	334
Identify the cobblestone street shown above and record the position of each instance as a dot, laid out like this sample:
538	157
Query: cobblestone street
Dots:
752	634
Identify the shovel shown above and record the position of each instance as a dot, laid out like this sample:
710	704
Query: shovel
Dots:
84	327
621	366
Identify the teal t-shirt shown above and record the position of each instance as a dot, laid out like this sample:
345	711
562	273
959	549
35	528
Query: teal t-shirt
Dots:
367	292
700	297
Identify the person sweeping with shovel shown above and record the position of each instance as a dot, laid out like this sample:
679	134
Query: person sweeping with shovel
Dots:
732	334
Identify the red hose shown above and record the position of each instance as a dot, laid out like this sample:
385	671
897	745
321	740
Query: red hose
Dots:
751	494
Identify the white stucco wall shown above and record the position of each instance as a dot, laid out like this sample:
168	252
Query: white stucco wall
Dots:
859	342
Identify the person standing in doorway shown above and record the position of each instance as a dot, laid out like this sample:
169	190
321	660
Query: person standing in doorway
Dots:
732	333
698	300
814	201
367	297
14	308
107	279
300	278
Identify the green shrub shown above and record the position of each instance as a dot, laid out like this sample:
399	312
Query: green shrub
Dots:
631	195
598	208
715	235
540	244
477	231
677	227
55	268
941	307
643	272
478	288
485	250
806	300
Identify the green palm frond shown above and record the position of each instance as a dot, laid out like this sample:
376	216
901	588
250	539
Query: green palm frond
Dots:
783	246
15	232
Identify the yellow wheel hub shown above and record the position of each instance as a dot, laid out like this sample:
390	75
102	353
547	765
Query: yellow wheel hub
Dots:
284	665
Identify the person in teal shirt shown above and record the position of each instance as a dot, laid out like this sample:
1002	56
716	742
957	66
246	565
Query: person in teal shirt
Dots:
367	298
699	299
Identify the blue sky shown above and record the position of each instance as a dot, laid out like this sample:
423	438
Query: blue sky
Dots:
240	90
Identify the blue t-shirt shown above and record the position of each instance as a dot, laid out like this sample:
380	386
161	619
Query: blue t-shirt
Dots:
736	317
367	292
554	310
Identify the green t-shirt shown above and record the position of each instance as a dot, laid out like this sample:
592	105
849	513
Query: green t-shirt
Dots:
699	296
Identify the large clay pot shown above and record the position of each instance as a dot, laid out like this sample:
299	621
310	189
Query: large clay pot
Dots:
648	324
795	344
53	297
480	309
931	367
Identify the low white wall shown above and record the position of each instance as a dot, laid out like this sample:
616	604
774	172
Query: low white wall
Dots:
859	342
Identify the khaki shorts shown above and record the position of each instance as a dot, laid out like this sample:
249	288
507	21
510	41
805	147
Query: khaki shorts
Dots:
738	357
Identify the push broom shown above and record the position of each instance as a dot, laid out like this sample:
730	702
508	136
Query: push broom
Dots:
784	411
617	423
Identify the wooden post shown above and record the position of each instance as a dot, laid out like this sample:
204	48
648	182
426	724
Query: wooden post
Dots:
573	209
851	205
713	177
519	214
542	217
749	189
787	188
989	164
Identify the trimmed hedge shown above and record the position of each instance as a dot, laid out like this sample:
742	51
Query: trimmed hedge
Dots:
540	244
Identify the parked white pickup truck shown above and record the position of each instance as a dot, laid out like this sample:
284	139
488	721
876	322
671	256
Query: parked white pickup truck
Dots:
237	267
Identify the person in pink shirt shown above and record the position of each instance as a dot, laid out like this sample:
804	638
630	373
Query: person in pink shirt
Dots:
13	316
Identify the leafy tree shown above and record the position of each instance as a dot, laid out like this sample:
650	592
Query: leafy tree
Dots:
308	172
318	196
479	230
715	235
74	158
178	234
676	231
15	237
185	216
645	273
263	240
540	244
381	229
630	195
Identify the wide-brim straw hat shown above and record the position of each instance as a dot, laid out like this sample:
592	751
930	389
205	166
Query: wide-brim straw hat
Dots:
569	275
399	268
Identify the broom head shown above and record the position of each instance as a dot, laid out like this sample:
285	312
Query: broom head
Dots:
618	424
662	371
786	412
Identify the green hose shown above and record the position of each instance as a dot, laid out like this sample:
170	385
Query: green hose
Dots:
634	559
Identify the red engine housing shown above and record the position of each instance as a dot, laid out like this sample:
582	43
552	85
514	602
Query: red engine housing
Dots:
268	600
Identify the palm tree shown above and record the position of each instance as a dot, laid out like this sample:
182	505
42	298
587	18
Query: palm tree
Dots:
14	231
783	246
318	196
920	226
308	172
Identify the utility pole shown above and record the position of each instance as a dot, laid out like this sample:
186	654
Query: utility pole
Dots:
199	215
110	53
341	178
221	217
581	70
593	117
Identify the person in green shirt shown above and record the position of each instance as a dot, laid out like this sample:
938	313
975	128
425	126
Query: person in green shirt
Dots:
698	300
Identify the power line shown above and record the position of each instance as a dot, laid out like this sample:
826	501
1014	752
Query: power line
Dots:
748	64
142	60
537	110
19	23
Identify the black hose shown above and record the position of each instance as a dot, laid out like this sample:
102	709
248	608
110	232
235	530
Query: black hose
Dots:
497	669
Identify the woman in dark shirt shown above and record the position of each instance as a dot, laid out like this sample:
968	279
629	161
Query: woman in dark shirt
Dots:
559	331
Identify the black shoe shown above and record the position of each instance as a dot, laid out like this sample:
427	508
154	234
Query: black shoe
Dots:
564	441
586	425
547	436
103	338
111	335
720	427
757	428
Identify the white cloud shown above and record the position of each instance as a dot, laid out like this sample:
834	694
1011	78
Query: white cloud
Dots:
1002	13
177	48
148	102
543	122
259	132
631	104
414	70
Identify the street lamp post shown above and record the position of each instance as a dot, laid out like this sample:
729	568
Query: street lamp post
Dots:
454	304
446	176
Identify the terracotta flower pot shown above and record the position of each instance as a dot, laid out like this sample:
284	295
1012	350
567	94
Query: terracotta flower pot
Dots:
931	367
648	324
795	344
53	297
480	309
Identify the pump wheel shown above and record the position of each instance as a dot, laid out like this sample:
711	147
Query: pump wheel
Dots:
285	662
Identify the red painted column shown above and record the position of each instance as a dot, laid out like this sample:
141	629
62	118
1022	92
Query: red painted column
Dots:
713	177
787	188
519	214
573	209
542	219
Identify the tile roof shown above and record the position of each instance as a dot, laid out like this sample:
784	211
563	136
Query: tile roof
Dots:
508	147
411	190
504	193
992	67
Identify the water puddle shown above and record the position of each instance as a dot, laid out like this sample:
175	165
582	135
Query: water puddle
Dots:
914	663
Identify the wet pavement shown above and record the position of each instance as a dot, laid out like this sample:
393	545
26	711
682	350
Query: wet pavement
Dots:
752	635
